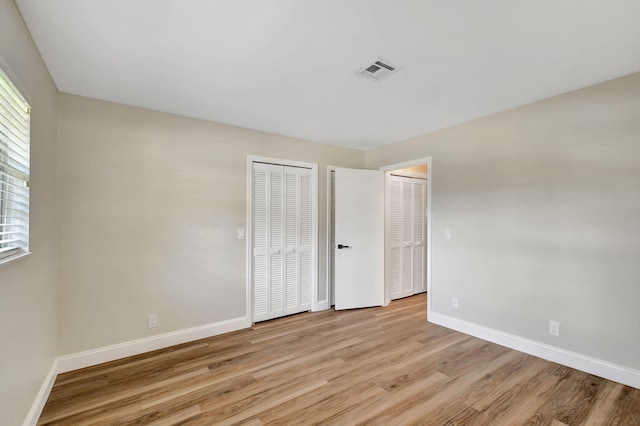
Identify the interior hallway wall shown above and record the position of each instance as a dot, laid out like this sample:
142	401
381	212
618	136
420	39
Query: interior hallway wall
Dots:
544	207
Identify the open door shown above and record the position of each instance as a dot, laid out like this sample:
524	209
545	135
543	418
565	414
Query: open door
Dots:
359	237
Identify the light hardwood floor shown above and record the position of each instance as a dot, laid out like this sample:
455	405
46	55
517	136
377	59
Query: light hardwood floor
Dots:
366	366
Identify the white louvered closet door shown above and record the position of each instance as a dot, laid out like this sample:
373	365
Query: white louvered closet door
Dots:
282	234
407	235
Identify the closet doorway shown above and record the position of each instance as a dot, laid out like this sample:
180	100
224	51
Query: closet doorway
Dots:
282	238
406	231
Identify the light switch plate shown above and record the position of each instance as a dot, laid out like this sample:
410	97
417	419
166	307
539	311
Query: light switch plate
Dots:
241	233
447	234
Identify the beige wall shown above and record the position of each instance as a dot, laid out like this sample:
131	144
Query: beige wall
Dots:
28	286
544	206
149	208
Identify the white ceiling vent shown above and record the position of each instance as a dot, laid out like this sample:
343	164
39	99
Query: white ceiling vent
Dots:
377	70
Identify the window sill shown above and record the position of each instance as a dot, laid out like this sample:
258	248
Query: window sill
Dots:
14	258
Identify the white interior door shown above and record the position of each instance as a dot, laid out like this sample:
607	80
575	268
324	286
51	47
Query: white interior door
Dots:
359	237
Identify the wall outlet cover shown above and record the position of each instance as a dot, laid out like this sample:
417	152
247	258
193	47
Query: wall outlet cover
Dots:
152	321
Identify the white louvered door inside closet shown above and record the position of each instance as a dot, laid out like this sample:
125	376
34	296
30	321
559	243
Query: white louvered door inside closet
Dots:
281	240
407	197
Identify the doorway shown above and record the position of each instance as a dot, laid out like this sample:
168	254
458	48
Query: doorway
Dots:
414	168
419	168
406	231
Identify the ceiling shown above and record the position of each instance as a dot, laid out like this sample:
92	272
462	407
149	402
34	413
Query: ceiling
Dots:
287	66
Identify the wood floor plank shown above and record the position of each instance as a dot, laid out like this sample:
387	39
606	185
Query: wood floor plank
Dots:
450	391
604	404
327	351
383	365
178	417
518	403
327	409
509	376
264	388
625	410
72	407
572	400
198	390
254	405
94	374
383	410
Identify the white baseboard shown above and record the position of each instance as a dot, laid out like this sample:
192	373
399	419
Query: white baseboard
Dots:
598	367
41	397
136	347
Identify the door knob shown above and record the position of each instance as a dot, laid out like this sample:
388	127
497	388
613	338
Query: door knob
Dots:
342	246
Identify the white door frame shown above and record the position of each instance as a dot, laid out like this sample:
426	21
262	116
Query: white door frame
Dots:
387	279
314	226
330	295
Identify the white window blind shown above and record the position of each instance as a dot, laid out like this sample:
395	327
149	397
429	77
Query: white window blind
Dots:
14	170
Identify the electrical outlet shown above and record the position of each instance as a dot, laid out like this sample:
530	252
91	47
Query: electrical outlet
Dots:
447	234
152	321
454	303
554	328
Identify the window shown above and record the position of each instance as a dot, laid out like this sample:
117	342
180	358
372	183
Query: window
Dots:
14	170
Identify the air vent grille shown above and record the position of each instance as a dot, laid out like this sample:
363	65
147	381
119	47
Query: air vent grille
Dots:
372	68
377	70
383	65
